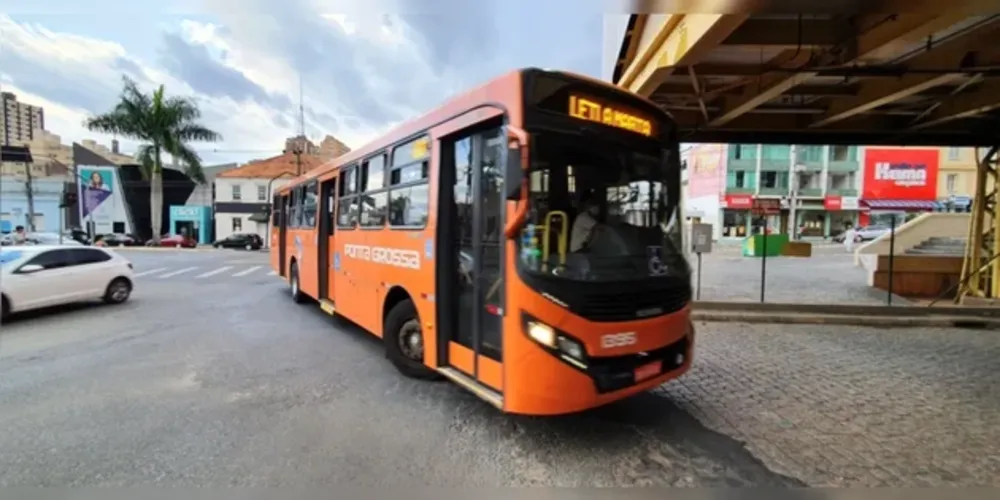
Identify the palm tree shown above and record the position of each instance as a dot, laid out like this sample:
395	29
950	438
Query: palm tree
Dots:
164	125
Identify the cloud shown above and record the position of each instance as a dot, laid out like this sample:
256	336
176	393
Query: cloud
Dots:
361	69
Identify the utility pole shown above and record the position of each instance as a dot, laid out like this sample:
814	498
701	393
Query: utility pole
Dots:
793	174
29	191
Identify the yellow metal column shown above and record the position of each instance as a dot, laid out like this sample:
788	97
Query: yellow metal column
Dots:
981	269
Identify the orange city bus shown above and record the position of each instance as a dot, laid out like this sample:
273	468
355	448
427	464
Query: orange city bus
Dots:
455	239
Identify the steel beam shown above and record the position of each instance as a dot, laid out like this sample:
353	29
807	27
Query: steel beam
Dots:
807	33
980	269
877	44
681	40
984	99
875	94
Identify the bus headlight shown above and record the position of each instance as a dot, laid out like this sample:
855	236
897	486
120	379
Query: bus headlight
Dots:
543	334
567	348
571	347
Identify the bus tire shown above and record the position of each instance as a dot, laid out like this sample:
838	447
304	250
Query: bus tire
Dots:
398	332
295	284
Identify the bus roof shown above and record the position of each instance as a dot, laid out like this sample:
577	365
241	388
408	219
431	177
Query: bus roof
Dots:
496	90
504	89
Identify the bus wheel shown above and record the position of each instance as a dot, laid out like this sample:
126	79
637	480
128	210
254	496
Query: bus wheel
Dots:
404	342
293	281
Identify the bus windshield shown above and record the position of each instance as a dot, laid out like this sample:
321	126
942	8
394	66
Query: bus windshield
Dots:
601	211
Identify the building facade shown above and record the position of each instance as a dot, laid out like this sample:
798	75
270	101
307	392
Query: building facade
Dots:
816	186
20	121
194	221
46	198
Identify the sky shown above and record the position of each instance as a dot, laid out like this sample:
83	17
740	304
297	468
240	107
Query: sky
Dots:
363	65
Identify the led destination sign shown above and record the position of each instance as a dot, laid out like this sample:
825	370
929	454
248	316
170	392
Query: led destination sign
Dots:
585	108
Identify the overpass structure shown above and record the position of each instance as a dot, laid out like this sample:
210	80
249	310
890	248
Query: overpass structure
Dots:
911	74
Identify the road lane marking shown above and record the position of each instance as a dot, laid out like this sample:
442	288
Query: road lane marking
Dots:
214	272
179	271
246	272
272	273
151	271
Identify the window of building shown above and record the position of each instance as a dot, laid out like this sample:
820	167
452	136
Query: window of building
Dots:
841	153
954	154
951	183
769	179
261	193
236	193
237	224
734	223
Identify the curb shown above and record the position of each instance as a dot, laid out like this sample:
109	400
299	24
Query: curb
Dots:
939	321
857	310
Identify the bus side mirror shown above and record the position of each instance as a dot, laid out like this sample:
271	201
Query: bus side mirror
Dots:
513	175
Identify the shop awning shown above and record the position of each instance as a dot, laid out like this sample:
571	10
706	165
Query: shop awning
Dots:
899	204
258	218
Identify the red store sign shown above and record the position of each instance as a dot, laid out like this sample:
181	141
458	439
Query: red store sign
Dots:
900	174
833	203
738	201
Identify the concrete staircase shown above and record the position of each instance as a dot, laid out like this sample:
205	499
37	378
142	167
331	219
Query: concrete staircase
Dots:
939	246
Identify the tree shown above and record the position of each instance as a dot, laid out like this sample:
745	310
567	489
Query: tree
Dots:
164	125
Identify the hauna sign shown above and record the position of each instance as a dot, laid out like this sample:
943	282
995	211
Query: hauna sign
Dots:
900	174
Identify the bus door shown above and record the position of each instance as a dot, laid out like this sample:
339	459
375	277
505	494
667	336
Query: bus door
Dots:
327	202
283	207
474	292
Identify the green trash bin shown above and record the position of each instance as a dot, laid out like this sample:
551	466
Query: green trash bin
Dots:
753	246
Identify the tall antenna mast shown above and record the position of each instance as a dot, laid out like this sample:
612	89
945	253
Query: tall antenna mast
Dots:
302	109
300	142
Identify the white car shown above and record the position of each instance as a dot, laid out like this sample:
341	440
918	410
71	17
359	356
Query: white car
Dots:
36	276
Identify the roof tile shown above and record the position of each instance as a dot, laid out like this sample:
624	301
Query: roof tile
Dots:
272	167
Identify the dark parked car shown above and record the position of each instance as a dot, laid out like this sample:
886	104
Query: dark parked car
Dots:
247	241
117	240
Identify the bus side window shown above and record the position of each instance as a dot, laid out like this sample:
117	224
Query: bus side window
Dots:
408	192
347	211
309	205
276	210
331	210
374	198
293	215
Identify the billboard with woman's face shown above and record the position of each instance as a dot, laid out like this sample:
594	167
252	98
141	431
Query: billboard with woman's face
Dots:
101	198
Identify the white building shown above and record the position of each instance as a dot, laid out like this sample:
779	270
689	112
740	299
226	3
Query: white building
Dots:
243	195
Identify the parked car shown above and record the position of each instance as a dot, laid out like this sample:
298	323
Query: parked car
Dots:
175	241
247	241
36	276
116	240
866	233
41	239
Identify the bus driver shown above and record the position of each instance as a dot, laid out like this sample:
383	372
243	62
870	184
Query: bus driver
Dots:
585	225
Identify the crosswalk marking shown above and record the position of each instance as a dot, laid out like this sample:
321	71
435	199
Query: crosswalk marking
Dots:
214	272
151	271
272	273
179	271
246	272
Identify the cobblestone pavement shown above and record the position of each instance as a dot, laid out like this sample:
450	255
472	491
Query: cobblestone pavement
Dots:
834	406
824	278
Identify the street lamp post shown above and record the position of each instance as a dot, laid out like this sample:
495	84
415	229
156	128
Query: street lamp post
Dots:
796	169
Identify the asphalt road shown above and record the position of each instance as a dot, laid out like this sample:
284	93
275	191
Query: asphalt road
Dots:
216	383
